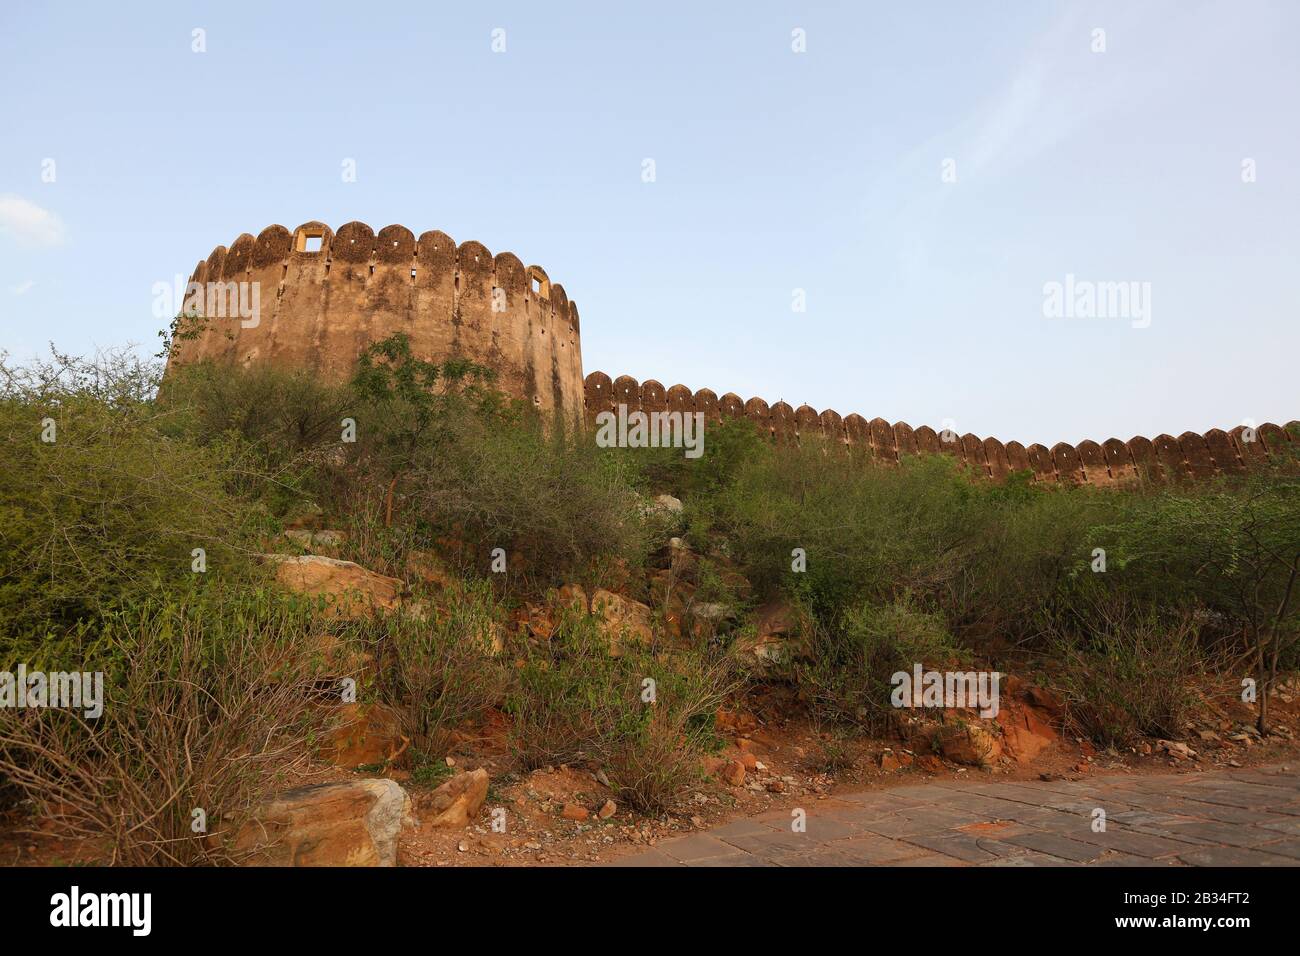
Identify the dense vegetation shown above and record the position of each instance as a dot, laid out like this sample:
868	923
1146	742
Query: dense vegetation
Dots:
132	515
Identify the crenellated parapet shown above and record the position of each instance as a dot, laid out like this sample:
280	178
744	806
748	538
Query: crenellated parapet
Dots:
324	295
1189	456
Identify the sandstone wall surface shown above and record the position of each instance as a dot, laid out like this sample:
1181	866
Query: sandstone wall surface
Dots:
325	295
1190	455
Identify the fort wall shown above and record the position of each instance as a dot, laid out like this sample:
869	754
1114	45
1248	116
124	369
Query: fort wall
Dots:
1163	458
326	295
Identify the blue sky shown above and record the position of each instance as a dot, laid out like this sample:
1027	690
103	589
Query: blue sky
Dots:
775	171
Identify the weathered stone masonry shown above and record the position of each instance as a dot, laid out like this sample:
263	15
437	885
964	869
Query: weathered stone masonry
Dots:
1113	461
325	296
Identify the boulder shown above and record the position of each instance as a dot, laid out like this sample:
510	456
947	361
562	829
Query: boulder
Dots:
457	801
768	644
353	823
351	590
734	773
1026	733
668	504
969	743
625	620
369	734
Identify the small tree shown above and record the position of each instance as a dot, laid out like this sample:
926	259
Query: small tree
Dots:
1235	548
407	394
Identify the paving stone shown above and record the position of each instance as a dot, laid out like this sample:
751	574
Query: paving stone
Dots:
733	859
1126	859
1234	856
749	827
1290	825
774	841
961	846
1224	814
654	857
874	850
930	859
1054	844
1247	819
697	846
920	821
1231	834
822	856
1146	818
1287	848
1239	797
1132	842
1030	858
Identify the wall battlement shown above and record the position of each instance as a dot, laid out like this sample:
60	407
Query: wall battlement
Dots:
1111	462
325	296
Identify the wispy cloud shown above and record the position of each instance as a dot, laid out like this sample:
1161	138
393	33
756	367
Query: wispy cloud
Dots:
22	288
29	223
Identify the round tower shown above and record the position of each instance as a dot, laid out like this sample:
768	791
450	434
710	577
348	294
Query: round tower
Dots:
316	298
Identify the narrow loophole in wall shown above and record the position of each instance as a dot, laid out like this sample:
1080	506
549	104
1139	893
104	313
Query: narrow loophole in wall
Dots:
412	275
372	269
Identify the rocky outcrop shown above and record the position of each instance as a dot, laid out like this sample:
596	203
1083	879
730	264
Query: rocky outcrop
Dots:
624	620
350	590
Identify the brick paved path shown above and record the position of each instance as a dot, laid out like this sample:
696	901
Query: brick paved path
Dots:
1228	818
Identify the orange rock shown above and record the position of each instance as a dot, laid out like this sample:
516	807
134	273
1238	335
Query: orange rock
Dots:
368	734
608	809
457	801
748	760
889	762
351	591
1025	732
354	823
969	744
572	811
734	773
625	620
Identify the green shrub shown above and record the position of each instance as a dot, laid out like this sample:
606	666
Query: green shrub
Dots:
208	705
1130	675
845	676
574	703
104	515
441	671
